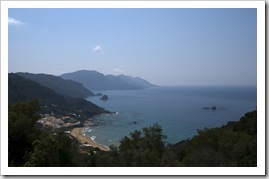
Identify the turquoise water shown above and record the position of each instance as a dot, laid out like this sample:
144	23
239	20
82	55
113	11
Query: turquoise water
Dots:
179	110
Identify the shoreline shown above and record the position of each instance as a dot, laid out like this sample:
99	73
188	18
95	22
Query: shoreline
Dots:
77	133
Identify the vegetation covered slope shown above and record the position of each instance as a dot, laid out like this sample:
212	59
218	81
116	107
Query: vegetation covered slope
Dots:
232	145
30	146
21	89
63	87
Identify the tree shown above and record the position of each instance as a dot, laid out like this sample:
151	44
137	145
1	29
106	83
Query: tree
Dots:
52	151
143	148
29	145
22	118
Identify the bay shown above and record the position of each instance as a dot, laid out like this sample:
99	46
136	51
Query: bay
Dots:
178	110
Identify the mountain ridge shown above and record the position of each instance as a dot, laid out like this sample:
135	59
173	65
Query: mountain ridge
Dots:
94	80
59	85
21	89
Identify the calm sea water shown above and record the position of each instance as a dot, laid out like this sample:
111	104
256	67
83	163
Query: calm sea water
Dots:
178	110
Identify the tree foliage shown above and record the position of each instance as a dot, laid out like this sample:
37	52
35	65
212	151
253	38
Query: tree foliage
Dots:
30	146
22	118
52	151
144	148
233	145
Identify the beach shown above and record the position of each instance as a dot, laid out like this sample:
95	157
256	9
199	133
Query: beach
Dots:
77	133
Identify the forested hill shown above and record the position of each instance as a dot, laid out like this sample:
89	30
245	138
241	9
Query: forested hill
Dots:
232	145
21	89
64	87
94	80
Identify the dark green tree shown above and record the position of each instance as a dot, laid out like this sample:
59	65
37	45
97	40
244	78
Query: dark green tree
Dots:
232	145
30	146
143	149
22	118
56	150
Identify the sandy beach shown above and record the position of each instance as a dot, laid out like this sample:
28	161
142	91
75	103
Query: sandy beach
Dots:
77	133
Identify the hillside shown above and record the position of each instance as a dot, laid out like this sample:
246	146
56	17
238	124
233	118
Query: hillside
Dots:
63	87
94	80
21	90
232	145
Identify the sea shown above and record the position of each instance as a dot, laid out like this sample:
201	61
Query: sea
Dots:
179	110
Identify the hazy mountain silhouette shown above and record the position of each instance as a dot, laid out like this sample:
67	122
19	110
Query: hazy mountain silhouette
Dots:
21	89
59	85
94	80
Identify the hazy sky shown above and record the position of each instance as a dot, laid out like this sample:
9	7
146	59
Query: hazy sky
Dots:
164	46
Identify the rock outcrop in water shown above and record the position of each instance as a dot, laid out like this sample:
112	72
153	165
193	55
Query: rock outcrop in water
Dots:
213	108
104	98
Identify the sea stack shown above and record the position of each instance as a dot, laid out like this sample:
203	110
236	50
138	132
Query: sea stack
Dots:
104	98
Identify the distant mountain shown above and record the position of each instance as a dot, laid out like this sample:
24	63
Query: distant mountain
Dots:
59	85
136	81
21	90
94	80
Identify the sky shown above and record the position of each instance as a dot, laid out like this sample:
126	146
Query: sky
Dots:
178	46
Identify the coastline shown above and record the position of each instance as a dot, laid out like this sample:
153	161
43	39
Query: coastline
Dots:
77	133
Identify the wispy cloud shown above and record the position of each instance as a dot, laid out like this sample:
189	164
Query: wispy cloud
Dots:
12	21
118	70
98	49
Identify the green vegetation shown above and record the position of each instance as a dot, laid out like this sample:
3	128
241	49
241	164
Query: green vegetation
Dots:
22	118
63	87
52	150
30	146
71	120
234	145
21	89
